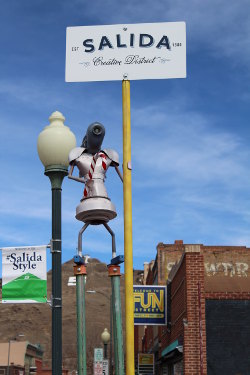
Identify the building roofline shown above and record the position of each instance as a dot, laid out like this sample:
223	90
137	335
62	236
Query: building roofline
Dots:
177	245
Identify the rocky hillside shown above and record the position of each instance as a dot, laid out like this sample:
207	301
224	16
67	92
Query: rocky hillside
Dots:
34	320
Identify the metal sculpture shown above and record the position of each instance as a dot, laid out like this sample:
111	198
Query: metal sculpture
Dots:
96	208
93	163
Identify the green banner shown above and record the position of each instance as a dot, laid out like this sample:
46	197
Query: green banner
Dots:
24	275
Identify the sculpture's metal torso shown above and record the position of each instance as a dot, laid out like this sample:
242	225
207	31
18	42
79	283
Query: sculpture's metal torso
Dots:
95	185
95	207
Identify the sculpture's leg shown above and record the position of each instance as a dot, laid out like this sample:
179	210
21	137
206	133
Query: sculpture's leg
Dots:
80	238
80	273
114	273
113	239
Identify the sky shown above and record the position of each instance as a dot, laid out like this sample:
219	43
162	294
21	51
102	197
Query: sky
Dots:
190	137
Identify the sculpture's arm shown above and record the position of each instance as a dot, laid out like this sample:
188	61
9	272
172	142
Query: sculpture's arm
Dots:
114	157
118	172
74	154
78	179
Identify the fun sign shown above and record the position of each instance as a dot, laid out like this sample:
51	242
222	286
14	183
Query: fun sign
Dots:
149	305
134	51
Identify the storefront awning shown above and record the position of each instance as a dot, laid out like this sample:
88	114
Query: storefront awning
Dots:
172	349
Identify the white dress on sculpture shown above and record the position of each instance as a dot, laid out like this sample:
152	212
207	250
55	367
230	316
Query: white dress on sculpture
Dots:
95	206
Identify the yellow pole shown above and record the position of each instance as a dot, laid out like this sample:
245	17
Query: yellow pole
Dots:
128	246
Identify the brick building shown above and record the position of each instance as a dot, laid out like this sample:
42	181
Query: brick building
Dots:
208	293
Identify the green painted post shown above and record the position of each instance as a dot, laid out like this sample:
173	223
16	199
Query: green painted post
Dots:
81	328
111	334
114	272
80	273
114	329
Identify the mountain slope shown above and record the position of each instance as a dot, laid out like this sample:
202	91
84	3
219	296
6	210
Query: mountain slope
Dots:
34	320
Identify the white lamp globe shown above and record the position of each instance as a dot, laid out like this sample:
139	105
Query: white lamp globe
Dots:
55	142
105	336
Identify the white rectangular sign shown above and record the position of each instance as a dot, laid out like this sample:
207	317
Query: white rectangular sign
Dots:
24	274
105	367
98	354
128	51
98	369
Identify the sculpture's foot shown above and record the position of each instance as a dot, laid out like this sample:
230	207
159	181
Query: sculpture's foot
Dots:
95	210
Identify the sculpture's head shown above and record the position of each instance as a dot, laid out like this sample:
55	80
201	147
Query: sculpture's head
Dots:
94	138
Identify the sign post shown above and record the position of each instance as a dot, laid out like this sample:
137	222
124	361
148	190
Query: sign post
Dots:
128	244
126	52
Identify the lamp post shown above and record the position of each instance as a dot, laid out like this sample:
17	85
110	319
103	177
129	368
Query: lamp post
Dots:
53	145
105	339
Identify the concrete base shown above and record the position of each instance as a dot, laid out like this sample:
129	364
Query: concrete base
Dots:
95	210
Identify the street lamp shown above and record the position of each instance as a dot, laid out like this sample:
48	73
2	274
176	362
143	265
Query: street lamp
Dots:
105	339
53	145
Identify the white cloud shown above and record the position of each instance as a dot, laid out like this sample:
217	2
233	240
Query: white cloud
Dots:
23	202
219	26
190	178
185	145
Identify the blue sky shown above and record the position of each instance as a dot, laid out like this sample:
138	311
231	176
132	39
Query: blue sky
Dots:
190	137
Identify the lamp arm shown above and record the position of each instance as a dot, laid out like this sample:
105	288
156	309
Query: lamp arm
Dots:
73	177
119	173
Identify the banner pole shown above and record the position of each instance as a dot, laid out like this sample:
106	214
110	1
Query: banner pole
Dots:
128	246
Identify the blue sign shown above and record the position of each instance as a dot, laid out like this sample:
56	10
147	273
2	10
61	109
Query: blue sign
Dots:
150	305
